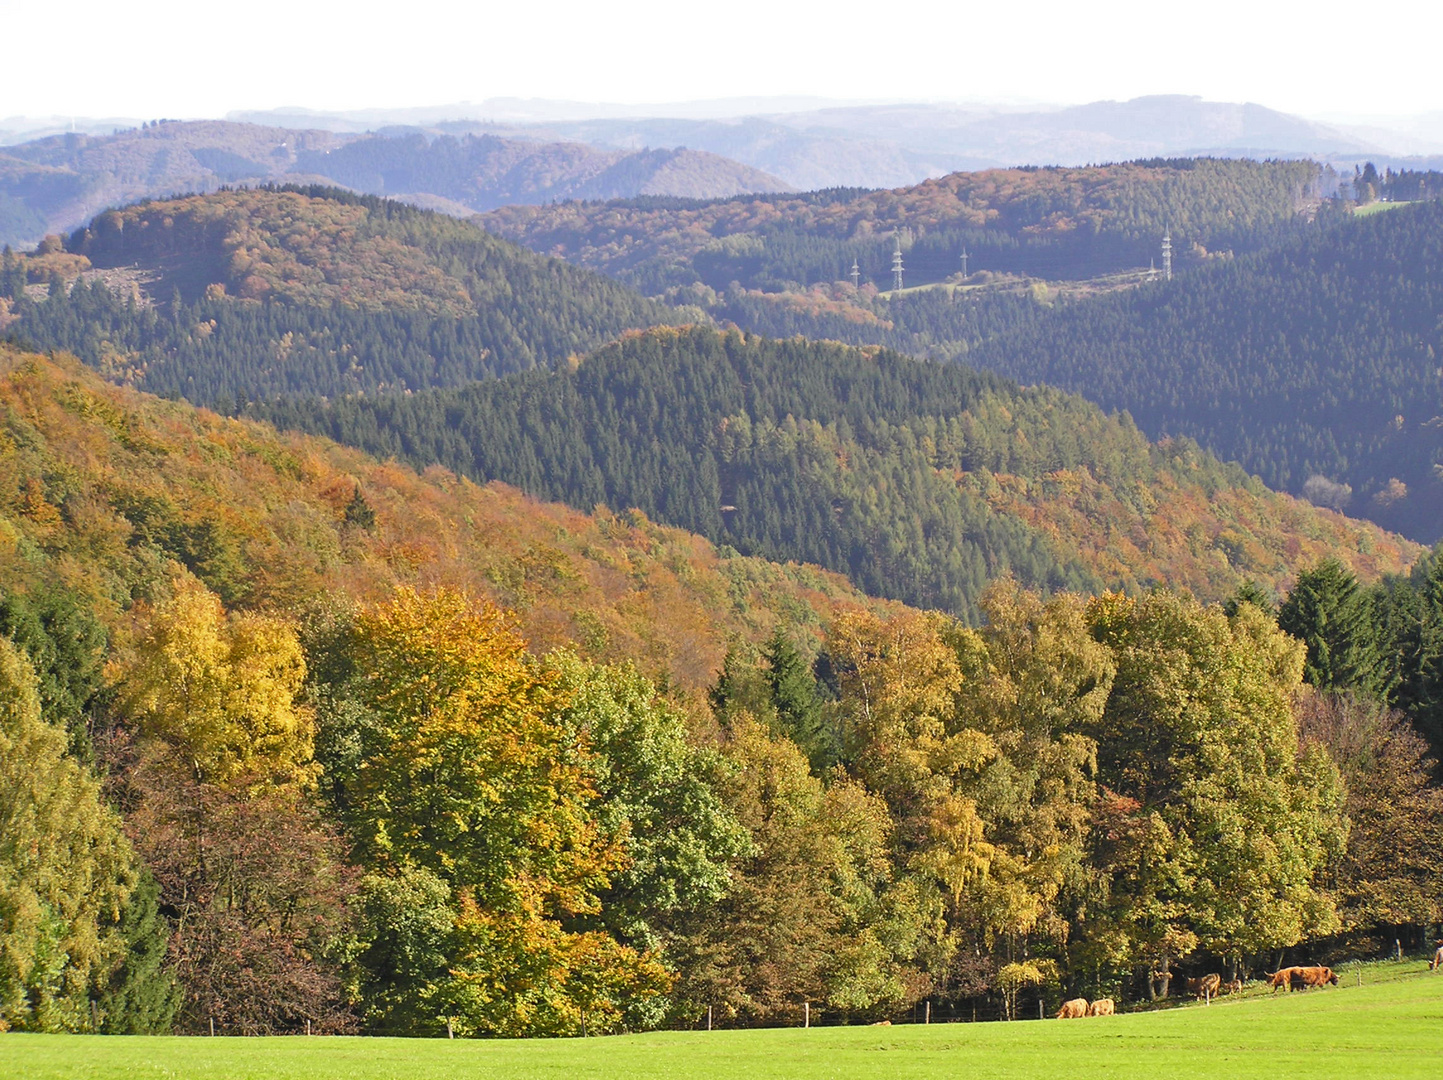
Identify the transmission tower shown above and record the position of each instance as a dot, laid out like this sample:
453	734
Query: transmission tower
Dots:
856	274
1167	254
897	266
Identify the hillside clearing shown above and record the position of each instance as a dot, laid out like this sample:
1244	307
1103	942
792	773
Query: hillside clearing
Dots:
1386	1028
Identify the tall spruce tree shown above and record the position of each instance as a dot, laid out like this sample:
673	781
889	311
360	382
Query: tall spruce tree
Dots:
798	704
1333	617
142	995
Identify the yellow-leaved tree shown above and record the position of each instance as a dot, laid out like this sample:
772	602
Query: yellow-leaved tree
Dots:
66	870
221	690
464	787
219	785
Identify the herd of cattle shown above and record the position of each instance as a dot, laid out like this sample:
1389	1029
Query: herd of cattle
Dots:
1207	987
1071	1010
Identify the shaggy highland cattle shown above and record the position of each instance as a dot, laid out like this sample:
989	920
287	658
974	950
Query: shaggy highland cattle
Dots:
1318	976
1300	978
1073	1009
1280	978
1101	1007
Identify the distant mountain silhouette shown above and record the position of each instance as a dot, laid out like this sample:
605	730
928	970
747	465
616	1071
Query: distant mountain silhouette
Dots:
898	144
57	183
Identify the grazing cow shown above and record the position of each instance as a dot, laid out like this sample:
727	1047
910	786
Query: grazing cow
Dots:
1234	987
1318	976
1071	1010
1281	978
1101	1007
1437	960
1204	987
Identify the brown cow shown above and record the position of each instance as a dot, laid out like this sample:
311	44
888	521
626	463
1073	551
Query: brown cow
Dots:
1318	976
1281	978
1101	1007
1437	960
1071	1010
1234	987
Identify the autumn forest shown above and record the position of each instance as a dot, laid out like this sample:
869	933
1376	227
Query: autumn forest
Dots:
615	615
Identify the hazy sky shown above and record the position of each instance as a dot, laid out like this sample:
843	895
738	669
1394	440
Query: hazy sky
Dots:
164	58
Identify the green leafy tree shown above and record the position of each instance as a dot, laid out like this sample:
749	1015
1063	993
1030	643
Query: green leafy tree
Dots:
462	768
142	995
66	869
1233	821
816	913
65	644
658	797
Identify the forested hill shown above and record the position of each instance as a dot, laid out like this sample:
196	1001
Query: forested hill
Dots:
105	493
1048	222
253	293
1318	366
921	481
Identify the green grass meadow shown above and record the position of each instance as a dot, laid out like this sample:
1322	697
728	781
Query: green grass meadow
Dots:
1392	1026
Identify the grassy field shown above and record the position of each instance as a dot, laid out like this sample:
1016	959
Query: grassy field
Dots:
1392	1026
1377	208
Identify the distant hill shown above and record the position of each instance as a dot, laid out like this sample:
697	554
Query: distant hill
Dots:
101	486
1052	223
482	172
256	292
821	145
53	184
921	481
1318	366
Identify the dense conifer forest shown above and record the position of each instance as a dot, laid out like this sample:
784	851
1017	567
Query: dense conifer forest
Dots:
921	481
1315	366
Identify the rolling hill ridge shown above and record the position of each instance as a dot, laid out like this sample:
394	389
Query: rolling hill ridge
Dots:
54	184
923	482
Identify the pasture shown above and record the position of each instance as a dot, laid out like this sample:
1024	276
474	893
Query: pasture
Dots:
1391	1027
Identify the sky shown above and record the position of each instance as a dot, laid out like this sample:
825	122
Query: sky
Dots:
184	60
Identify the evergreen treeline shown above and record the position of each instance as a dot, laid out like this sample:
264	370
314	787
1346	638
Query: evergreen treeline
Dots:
786	449
920	481
1316	362
313	291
